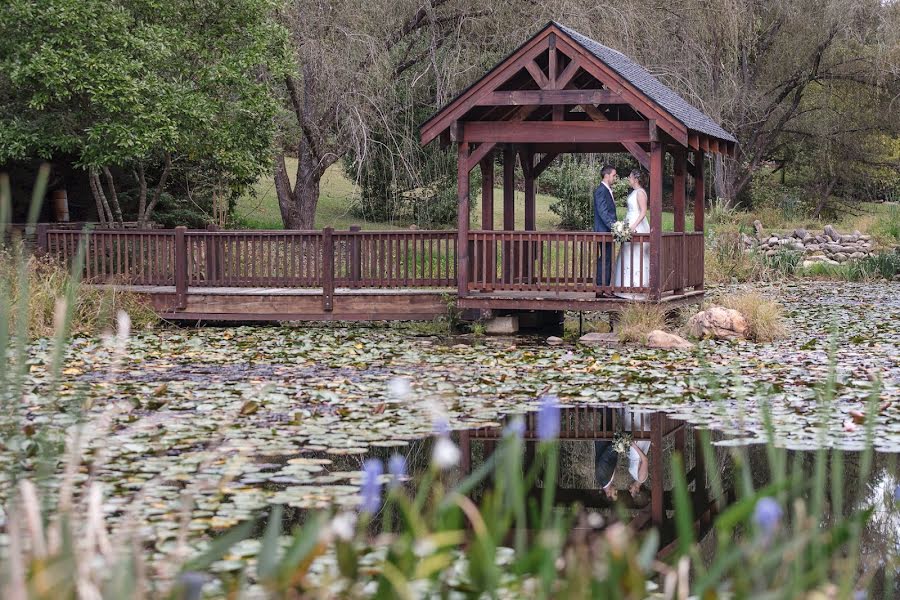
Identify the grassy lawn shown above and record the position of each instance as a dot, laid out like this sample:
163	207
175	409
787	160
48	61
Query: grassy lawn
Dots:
260	210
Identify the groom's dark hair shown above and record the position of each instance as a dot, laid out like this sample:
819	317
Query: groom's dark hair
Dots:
606	170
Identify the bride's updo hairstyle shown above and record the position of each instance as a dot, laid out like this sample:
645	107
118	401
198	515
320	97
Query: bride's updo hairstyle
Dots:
638	176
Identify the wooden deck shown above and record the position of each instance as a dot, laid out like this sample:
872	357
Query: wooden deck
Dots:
295	304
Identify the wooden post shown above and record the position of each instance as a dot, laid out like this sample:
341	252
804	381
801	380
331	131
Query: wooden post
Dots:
328	269
462	242
526	158
487	192
61	206
355	256
699	191
678	193
656	184
509	207
211	254
41	242
657	507
181	268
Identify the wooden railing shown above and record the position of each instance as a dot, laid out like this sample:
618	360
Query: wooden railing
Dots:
560	262
681	259
303	259
499	260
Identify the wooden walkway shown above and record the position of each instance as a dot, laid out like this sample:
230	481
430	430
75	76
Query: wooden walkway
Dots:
363	276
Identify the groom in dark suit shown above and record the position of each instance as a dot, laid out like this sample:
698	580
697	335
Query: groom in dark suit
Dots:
604	217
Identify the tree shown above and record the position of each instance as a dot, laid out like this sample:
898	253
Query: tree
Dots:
757	66
350	61
134	87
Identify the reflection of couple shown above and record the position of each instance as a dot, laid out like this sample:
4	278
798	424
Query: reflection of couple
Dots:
606	459
633	273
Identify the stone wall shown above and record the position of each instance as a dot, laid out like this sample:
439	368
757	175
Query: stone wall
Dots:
827	246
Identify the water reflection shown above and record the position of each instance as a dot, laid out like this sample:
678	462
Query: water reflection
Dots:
633	482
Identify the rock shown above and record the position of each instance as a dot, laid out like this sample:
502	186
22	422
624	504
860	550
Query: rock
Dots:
599	339
812	248
849	239
667	341
758	228
801	233
502	325
772	240
554	341
718	322
865	238
857	233
820	260
413	227
857	255
832	234
840	257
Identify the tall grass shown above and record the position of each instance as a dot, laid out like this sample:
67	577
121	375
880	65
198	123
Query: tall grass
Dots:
636	321
765	318
94	308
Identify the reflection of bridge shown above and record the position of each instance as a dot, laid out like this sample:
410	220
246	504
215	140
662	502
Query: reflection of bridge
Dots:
591	424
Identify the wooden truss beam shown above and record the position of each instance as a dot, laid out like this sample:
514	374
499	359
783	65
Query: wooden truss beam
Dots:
641	155
557	131
546	97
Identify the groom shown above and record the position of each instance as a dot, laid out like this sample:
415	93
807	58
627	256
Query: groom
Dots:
604	217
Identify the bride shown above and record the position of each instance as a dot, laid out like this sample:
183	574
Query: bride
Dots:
634	273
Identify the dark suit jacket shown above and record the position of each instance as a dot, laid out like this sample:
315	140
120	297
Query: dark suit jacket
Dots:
604	209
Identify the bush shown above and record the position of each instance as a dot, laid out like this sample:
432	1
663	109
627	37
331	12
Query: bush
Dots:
573	182
887	229
885	265
784	262
764	317
636	321
727	261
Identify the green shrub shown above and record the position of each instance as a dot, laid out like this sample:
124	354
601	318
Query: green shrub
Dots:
884	265
573	182
785	262
887	228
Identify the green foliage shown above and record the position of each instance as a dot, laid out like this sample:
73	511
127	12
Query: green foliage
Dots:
785	262
573	182
887	228
765	317
884	265
123	83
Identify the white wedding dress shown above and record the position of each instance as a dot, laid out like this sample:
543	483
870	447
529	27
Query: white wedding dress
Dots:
632	275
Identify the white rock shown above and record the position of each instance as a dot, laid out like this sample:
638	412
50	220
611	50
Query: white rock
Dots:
667	341
718	322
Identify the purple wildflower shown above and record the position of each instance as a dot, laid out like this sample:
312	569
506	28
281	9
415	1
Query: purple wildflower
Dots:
371	486
441	426
767	515
516	428
397	469
548	418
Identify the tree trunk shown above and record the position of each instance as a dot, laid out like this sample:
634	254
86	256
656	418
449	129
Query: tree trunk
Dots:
298	203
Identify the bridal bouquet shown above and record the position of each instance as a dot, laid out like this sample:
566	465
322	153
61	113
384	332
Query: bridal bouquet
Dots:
621	231
622	442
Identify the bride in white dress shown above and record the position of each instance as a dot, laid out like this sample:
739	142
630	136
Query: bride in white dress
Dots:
632	274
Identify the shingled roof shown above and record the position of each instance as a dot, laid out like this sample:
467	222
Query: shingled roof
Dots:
653	88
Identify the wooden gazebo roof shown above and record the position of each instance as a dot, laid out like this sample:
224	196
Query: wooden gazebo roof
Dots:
574	83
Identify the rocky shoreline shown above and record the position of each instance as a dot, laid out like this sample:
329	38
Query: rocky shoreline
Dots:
828	246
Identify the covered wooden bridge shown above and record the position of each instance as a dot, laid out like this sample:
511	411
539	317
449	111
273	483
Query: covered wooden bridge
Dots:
560	92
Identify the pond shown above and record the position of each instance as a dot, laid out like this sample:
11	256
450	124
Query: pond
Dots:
240	418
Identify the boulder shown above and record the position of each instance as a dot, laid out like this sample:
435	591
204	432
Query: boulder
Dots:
801	234
831	233
502	325
718	322
667	341
772	240
554	341
599	339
